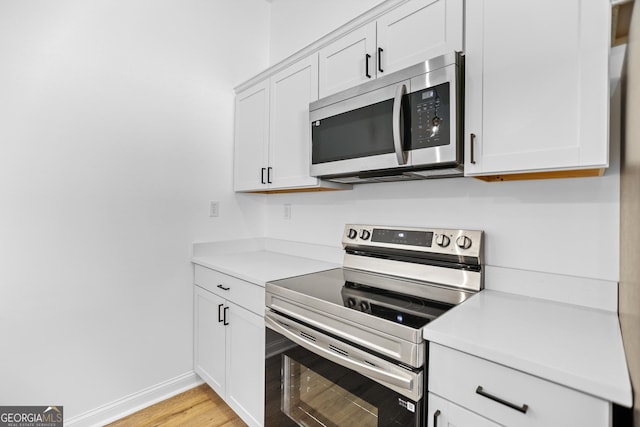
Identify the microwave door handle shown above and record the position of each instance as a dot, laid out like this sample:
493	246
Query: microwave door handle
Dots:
397	125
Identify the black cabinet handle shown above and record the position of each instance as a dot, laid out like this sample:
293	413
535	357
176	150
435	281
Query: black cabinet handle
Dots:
223	288
219	314
225	316
262	171
435	417
518	408
380	50
366	65
269	169
472	149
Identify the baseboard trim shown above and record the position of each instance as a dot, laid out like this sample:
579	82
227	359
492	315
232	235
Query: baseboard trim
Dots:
134	402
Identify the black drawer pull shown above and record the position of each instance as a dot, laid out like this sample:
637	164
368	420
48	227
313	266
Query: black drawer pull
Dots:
518	408
223	288
435	417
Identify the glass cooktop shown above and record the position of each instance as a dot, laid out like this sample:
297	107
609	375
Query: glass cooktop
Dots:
372	294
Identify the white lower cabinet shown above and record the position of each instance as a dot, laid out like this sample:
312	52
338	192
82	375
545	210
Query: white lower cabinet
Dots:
443	413
229	341
245	364
470	391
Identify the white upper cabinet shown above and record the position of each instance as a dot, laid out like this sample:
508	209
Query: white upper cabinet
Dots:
348	61
289	137
272	141
406	35
536	82
251	137
418	30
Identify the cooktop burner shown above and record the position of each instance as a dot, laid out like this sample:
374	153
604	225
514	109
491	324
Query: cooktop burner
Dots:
402	309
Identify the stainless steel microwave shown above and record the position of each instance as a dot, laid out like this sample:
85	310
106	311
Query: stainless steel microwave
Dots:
406	125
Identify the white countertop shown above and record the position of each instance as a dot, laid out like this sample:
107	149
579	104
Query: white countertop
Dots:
574	346
261	266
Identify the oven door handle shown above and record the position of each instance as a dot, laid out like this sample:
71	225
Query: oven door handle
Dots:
398	380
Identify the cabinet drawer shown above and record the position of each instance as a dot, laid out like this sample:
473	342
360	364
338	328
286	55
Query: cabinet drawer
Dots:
245	294
456	376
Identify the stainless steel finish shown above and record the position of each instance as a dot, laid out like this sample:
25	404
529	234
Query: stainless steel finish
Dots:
390	339
520	408
474	253
401	154
454	151
467	250
472	149
369	315
405	382
429	66
381	161
443	240
463	242
414	164
460	279
418	287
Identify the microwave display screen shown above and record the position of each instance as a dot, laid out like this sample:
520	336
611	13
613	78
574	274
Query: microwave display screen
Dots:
430	117
428	94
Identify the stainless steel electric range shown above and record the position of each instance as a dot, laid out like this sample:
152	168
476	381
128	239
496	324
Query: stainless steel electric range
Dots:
344	347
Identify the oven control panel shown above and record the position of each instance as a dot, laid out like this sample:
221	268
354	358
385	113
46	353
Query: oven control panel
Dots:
430	240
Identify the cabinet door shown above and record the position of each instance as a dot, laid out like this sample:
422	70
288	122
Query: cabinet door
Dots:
343	63
536	85
209	339
289	142
418	30
443	413
251	138
245	364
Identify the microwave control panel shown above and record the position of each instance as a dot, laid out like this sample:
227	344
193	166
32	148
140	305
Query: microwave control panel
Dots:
430	117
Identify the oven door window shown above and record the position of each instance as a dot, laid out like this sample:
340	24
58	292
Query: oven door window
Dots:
304	389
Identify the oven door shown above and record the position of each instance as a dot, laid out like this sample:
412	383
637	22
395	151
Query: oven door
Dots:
316	380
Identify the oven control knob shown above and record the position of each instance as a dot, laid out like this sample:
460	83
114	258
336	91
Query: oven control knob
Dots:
442	240
364	306
351	302
365	234
352	233
463	242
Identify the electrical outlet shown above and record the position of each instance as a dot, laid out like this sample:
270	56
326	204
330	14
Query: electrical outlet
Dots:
287	211
214	209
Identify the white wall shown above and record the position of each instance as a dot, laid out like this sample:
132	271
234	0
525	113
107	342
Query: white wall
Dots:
297	23
116	129
568	226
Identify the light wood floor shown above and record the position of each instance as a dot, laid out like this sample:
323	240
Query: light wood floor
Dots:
199	406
